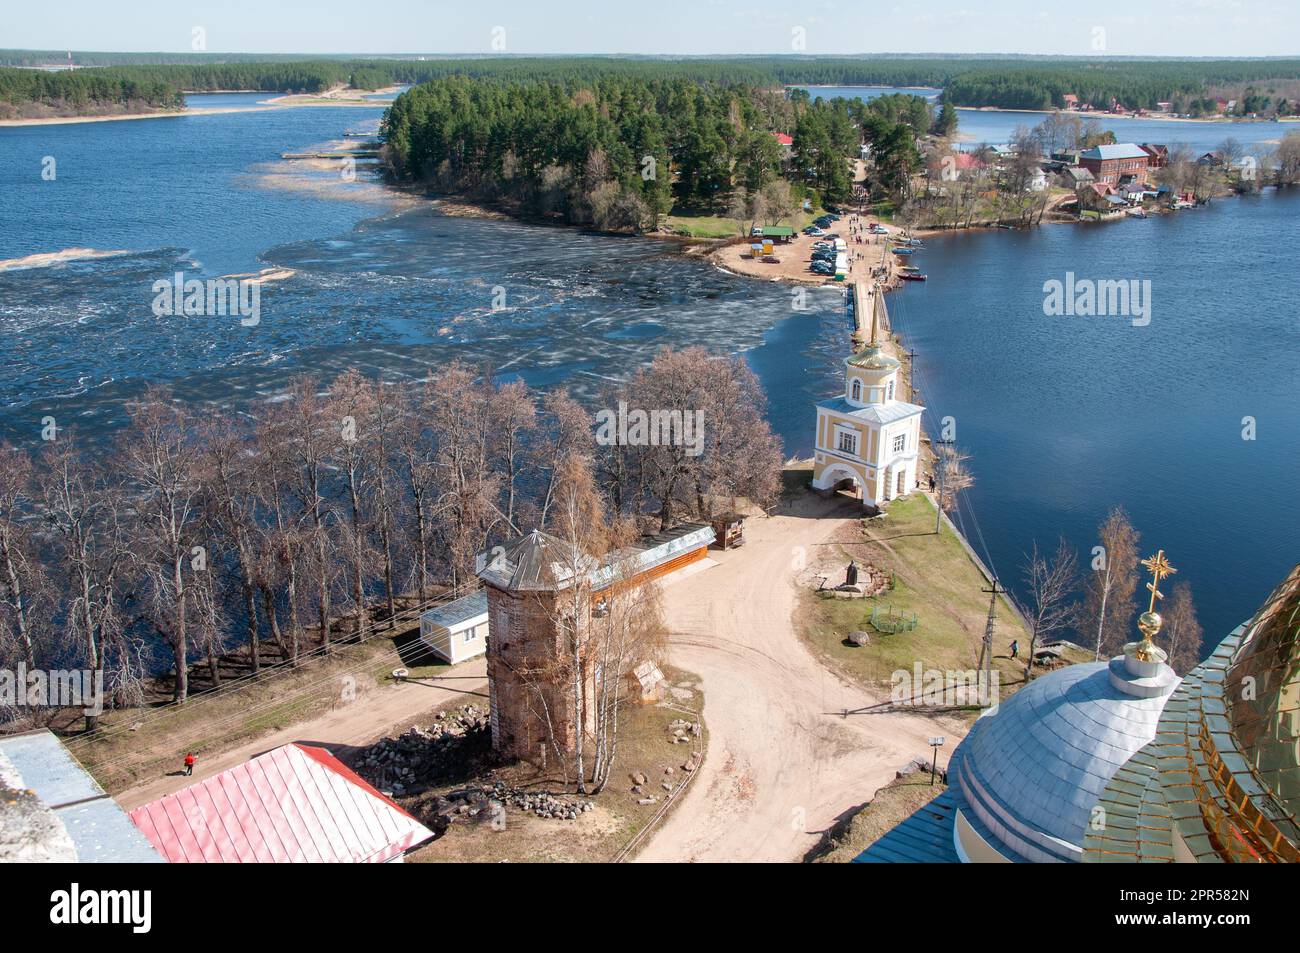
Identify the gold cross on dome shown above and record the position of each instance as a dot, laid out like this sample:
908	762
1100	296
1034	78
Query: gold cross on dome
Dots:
1159	568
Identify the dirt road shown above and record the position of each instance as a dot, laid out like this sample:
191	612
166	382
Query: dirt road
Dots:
367	719
783	762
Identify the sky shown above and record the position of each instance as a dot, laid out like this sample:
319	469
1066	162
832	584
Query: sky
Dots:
817	27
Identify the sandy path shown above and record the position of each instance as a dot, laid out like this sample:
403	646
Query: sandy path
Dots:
783	763
367	719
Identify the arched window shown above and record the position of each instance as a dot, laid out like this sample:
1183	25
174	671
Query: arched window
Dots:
856	389
889	392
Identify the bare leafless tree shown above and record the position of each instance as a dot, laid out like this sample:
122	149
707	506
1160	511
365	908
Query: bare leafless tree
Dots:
1183	630
309	436
159	462
24	610
350	423
514	414
1108	604
1050	585
226	467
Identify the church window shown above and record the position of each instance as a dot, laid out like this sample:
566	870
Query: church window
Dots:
900	443
848	442
856	390
889	392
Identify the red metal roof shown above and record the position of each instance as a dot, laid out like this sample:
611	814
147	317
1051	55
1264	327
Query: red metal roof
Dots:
293	804
782	138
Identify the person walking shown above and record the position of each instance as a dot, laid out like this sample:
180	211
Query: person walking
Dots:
189	764
1015	648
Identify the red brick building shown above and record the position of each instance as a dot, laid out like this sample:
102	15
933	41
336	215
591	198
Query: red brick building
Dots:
1110	164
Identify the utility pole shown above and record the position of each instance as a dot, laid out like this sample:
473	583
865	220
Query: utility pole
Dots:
986	650
941	464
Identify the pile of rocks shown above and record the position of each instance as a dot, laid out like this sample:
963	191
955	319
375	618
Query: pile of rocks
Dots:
682	732
669	782
478	801
455	744
921	766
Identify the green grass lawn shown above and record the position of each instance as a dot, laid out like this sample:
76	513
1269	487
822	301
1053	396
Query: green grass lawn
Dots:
936	580
888	807
699	225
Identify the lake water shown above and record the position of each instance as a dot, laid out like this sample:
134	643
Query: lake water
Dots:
1064	417
991	126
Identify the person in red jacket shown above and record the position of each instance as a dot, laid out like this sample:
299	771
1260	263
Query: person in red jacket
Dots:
189	764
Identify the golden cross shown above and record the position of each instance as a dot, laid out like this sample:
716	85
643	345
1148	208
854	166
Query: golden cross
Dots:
1159	567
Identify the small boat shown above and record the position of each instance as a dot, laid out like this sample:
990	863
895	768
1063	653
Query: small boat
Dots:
904	251
912	276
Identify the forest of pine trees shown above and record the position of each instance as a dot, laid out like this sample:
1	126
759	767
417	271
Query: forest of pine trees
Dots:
620	152
125	79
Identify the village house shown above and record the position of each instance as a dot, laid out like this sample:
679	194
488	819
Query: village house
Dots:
458	630
1076	177
1109	164
1159	154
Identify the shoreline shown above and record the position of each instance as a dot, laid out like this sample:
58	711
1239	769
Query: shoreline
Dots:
1148	117
277	101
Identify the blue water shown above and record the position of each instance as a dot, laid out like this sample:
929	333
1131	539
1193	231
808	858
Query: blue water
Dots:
188	182
980	126
1064	417
1067	416
868	92
991	126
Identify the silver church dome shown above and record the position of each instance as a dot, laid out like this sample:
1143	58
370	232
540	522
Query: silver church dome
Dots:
1031	770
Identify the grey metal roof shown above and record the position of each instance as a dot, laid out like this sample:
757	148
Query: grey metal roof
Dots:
654	550
539	561
100	830
458	611
1123	150
536	561
877	413
1032	768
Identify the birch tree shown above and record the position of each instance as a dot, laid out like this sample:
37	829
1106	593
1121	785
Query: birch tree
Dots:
1108	604
22	577
159	466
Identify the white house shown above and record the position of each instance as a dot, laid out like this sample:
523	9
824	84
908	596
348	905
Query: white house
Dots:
458	630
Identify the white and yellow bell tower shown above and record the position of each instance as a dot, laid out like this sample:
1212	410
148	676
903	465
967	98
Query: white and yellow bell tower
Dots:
869	437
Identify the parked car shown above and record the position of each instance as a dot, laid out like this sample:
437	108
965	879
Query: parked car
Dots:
822	268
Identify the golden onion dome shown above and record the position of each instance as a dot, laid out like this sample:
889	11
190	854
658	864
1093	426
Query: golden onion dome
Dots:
1262	693
873	358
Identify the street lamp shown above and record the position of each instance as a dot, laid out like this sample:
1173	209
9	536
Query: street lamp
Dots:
936	743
